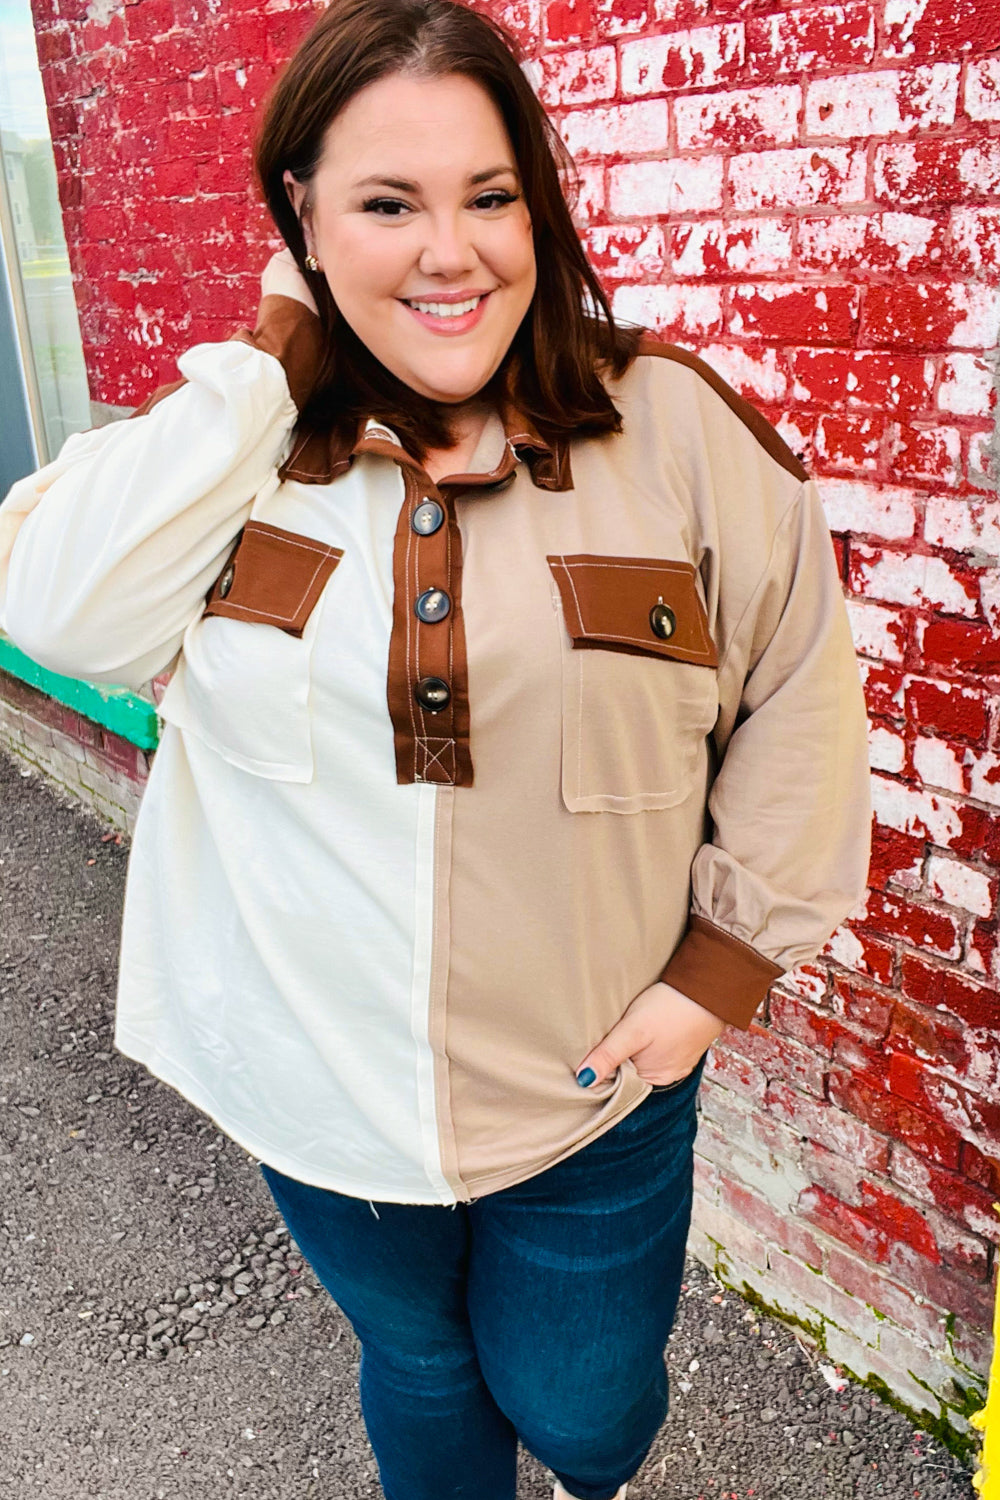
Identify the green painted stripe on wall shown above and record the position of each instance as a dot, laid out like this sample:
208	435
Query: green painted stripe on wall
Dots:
116	708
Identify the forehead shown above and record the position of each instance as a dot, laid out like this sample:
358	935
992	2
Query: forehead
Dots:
409	126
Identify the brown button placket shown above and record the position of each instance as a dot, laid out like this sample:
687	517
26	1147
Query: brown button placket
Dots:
431	744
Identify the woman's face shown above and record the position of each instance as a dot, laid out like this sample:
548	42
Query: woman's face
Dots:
417	218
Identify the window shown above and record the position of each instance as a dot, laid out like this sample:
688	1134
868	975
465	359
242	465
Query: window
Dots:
34	263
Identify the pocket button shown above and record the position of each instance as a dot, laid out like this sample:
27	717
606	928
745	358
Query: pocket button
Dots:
662	621
226	581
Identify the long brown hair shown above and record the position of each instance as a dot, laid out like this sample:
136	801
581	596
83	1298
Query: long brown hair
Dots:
553	370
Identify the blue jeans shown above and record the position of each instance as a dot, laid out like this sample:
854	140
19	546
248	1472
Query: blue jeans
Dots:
539	1312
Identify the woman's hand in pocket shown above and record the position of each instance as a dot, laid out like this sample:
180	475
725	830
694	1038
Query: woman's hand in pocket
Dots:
663	1031
282	276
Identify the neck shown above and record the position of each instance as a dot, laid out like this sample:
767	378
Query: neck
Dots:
467	424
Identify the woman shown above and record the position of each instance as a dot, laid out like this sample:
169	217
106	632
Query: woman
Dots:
517	748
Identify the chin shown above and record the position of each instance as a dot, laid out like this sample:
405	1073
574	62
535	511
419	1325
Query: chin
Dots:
463	388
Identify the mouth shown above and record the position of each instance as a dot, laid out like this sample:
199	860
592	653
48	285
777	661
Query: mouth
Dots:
448	314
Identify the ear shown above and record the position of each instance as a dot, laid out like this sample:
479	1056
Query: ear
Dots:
297	195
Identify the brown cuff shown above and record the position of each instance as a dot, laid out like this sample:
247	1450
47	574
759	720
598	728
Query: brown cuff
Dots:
720	972
291	332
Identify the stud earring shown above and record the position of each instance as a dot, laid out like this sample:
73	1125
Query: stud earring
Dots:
313	263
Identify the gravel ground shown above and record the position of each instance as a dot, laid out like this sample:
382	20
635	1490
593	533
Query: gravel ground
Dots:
161	1337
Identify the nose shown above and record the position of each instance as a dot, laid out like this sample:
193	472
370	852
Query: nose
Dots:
448	250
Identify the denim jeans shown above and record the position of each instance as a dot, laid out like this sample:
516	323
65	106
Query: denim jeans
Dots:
539	1312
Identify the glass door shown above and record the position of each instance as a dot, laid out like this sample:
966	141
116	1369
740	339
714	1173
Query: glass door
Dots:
43	380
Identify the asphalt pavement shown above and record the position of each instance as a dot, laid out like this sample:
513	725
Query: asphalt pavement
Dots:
161	1337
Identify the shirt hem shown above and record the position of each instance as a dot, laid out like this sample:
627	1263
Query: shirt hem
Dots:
480	1185
176	1076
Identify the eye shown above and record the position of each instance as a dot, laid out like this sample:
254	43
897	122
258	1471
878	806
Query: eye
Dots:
388	208
496	198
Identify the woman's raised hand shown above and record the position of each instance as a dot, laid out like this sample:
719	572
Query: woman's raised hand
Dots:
282	276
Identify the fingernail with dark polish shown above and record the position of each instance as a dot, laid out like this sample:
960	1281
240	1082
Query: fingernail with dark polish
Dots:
585	1077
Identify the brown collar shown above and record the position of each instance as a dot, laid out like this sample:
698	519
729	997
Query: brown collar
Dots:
320	457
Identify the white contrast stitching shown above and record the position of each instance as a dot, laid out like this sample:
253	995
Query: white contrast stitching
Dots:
672	570
325	553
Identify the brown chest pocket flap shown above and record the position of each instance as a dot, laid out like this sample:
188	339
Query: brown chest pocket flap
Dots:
638	706
634	604
273	577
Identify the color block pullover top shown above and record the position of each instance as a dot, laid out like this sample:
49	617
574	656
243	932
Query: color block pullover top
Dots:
449	772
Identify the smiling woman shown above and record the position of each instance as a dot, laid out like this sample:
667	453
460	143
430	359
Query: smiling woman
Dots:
428	254
389	228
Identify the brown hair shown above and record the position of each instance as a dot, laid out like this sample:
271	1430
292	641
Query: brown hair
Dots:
552	371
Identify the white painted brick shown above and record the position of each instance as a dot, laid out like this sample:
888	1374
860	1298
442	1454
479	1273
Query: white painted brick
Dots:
613	23
847	240
877	631
876	104
778	1181
867	509
590	201
654	188
886	749
731	1233
974	236
697	309
768	1285
909	579
978	308
739	245
966	385
903	15
915	1358
982	89
938	764
960	885
780	179
846	948
681	59
629	251
910	235
914	811
766	116
673	10
963	525
850	1353
834	239
757	374
626	129
984	776
580	76
797	434
984	461
807	982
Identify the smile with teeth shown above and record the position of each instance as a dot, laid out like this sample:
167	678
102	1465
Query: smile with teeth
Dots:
445	309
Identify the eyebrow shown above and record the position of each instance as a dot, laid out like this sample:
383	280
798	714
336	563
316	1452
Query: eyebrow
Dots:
403	186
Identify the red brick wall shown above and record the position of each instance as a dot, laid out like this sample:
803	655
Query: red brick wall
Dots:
809	195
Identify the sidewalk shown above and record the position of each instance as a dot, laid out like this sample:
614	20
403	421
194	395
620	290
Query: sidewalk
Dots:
161	1340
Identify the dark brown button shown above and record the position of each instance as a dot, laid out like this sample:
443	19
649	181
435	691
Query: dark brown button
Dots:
427	518
433	694
432	605
226	581
662	621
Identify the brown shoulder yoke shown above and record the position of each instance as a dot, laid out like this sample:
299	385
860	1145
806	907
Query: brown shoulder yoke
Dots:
761	428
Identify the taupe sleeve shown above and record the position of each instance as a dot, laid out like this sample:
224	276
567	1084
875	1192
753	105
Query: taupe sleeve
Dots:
790	805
